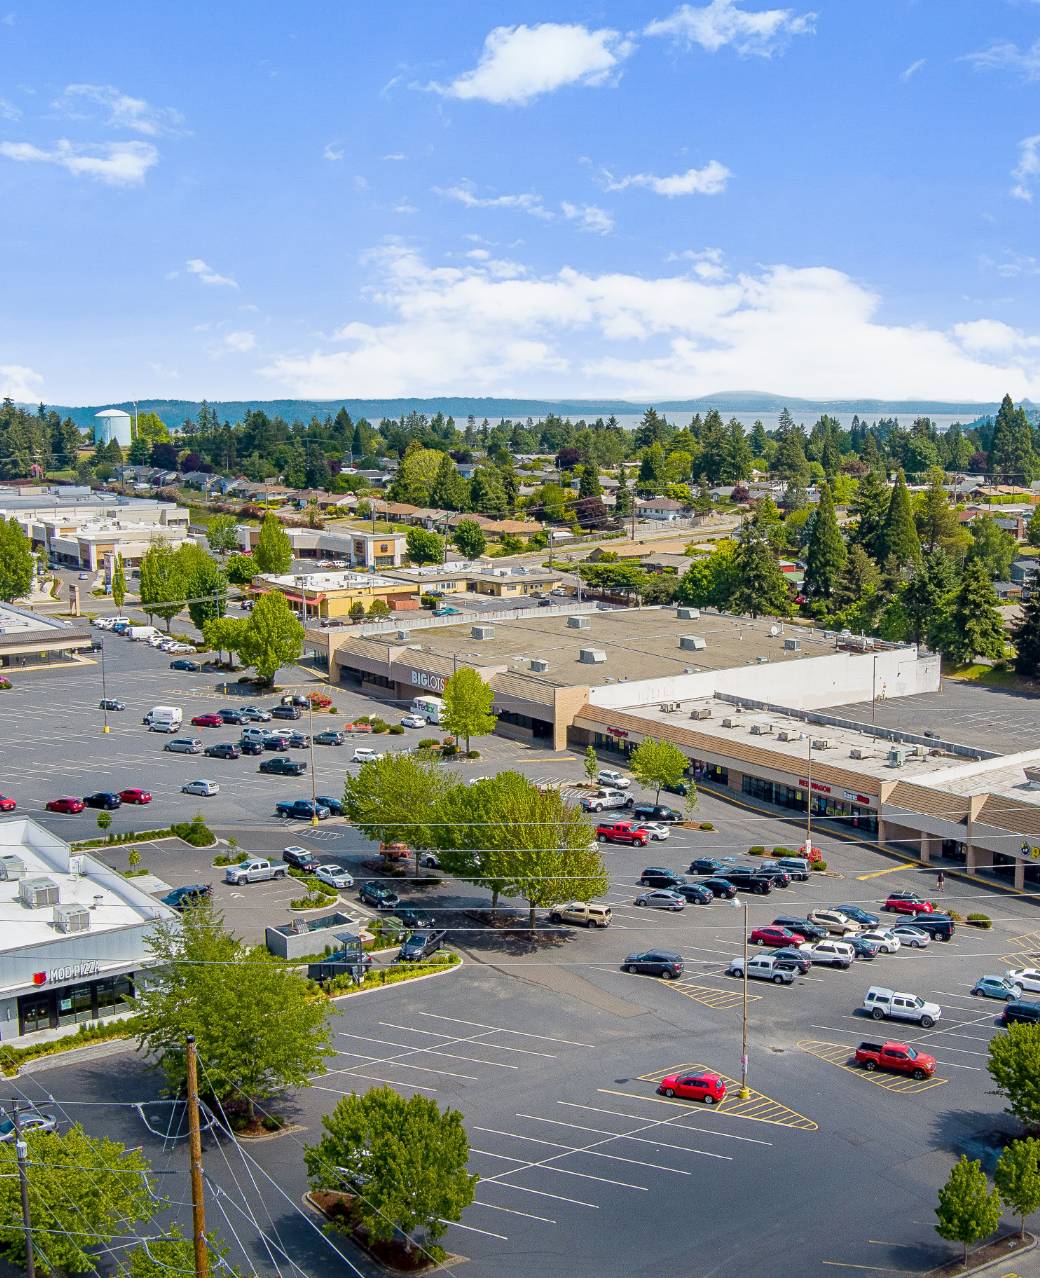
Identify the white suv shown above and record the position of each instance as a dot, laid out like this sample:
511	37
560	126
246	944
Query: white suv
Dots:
832	953
364	754
834	921
882	1003
616	780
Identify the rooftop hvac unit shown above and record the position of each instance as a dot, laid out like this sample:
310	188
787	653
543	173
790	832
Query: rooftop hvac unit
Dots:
692	643
822	743
592	656
578	623
792	645
730	722
702	712
34	894
1032	774
761	659
404	635
11	867
761	729
859	752
688	614
669	707
72	918
539	665
787	734
482	632
897	756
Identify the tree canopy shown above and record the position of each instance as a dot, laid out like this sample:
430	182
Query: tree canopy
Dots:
467	705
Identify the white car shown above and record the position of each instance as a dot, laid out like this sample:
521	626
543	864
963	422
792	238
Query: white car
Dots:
334	875
830	953
413	721
885	939
907	934
364	754
477	780
102	623
32	1121
662	899
429	860
656	829
1026	978
617	780
207	789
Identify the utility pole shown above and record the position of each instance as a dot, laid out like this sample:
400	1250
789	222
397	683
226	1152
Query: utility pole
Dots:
198	1206
314	784
808	804
744	1092
104	688
21	1150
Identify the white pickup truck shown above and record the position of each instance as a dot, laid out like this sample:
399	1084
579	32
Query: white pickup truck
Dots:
258	870
762	967
883	1004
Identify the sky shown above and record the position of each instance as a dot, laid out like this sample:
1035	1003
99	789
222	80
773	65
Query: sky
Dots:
646	200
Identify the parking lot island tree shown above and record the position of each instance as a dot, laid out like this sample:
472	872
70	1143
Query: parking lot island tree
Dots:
257	1029
658	765
1017	1178
174	1254
404	1162
16	561
84	1192
1014	1066
224	634
394	800
591	764
162	582
271	638
273	550
118	581
968	1209
467	705
205	584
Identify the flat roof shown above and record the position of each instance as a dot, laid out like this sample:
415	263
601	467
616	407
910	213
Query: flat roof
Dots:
113	901
18	621
329	581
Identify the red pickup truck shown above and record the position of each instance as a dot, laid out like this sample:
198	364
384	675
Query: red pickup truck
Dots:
622	832
899	1057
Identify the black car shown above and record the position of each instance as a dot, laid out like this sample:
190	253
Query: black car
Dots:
275	742
300	859
748	880
779	877
419	946
657	878
283	767
791	959
706	865
656	812
680	787
329	737
296	699
233	716
857	915
695	893
413	918
938	926
804	927
105	799
335	806
190	895
182	663
383	898
249	746
666	963
223	750
285	712
111	703
865	949
1018	1010
720	887
298	740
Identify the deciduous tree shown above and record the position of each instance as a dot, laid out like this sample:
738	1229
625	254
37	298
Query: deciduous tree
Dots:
16	561
118	581
273	551
271	637
658	765
1014	1066
1017	1178
424	547
968	1209
221	534
162	582
711	581
467	705
393	800
469	539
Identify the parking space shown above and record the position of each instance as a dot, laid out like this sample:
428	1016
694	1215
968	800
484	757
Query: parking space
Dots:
755	1106
842	1055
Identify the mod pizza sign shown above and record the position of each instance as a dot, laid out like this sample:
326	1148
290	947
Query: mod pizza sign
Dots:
71	972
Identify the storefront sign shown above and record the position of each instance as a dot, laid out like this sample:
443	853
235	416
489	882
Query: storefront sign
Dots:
617	732
434	683
71	972
816	785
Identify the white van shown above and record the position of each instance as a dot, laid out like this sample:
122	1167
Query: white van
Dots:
143	633
163	718
431	709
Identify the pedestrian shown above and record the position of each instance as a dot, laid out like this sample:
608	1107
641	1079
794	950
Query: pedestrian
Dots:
940	881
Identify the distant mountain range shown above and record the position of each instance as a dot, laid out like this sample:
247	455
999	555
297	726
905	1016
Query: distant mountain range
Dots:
174	411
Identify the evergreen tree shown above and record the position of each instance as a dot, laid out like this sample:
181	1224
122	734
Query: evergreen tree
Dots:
790	463
623	497
357	444
936	519
588	484
118	582
652	478
870	508
487	492
928	595
1033	528
449	491
273	552
974	627
1011	454
1027	638
992	546
898	537
737	457
761	588
858	580
826	555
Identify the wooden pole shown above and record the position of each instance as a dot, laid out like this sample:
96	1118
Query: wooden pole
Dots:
198	1206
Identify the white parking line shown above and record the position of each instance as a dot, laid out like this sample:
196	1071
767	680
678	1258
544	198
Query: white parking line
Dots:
476	1038
336	1091
545	1220
642	1140
378	1060
677	1120
545	1165
503	1029
541	1193
425	1051
578	1149
456	1224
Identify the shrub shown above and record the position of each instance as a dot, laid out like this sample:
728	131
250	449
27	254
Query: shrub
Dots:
231	858
957	918
429	743
472	754
783	852
979	920
333	710
818	864
396	730
363	718
756	849
707	825
272	1123
194	832
449	751
5	685
314	901
377	728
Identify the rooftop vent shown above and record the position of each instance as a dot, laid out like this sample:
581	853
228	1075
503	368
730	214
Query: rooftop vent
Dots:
822	743
36	893
539	665
578	623
787	734
669	707
98	899
688	614
761	659
482	632
701	712
11	867
1032	775
761	729
731	721
692	643
72	918
405	635
792	645
897	756
859	752
592	656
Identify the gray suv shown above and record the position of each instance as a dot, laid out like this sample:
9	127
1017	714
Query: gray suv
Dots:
184	745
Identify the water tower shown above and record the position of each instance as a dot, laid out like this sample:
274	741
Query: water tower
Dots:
112	423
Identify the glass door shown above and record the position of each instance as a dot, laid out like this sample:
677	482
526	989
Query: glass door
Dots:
35	1012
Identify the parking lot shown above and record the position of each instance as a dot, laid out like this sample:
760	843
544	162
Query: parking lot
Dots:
551	1051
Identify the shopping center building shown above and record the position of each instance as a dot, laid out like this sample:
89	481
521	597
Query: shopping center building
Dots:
73	934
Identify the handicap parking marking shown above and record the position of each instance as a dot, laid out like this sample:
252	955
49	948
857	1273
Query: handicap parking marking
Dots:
840	1055
758	1107
708	995
1028	952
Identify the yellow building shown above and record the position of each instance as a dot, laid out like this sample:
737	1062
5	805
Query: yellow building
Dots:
329	595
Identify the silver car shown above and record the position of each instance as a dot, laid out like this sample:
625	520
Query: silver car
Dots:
662	899
184	745
32	1121
907	934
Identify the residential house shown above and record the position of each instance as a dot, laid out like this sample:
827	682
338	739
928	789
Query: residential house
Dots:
661	509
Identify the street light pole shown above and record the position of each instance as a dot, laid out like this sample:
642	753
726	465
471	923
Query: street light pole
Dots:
744	1092
104	689
808	804
314	786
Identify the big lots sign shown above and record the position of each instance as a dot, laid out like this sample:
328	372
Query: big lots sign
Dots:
431	682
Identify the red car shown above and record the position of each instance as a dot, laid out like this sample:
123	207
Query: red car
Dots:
67	803
776	936
7	804
908	903
709	1088
207	721
134	795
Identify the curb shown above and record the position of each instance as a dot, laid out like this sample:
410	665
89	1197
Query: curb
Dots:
998	1262
414	980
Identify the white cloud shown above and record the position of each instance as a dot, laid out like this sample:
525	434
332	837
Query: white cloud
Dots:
713	26
1027	170
240	341
332	151
1012	264
396	155
589	217
121	110
404	207
206	274
711	180
360	182
114	163
20	383
1002	55
912	70
526	202
707	263
809	331
8	110
517	64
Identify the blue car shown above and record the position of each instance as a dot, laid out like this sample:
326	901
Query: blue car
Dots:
447	611
863	917
996	987
335	806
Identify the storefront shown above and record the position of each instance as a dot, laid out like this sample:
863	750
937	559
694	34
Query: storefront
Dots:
72	1005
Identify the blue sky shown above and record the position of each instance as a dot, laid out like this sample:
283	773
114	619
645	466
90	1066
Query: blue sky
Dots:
648	200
